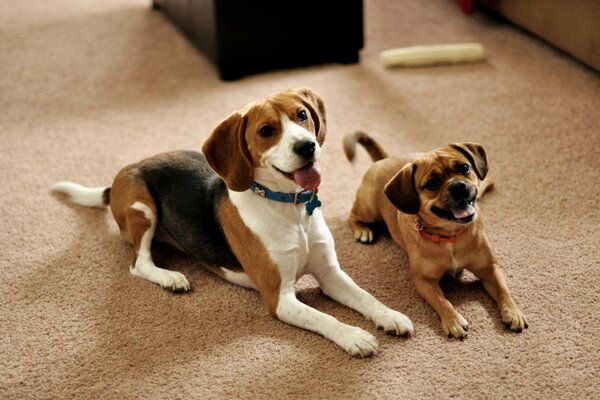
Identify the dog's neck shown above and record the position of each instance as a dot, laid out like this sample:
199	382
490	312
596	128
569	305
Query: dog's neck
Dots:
436	233
271	185
307	197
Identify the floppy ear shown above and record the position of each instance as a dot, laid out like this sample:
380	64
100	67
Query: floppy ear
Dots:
227	153
316	105
476	155
401	191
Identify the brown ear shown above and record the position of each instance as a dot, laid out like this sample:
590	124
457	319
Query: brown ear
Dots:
401	191
227	153
476	155
316	105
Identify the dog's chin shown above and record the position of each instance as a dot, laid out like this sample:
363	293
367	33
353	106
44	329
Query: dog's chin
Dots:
463	213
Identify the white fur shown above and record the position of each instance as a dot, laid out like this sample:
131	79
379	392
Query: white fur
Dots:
238	278
144	266
81	195
302	244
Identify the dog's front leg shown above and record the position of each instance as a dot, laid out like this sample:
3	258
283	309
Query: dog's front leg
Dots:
495	284
335	283
453	324
356	341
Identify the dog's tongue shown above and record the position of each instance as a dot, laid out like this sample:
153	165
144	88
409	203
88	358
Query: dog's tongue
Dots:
464	210
308	177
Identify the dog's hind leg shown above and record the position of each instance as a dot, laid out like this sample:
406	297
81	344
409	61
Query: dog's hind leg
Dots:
134	211
141	225
364	211
362	232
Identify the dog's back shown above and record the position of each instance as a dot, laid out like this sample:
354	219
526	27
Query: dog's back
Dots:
187	194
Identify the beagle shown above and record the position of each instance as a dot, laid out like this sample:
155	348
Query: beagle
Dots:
247	207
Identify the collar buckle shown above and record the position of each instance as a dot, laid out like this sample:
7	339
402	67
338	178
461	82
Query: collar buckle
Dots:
296	194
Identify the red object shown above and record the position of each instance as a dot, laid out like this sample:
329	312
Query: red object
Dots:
467	6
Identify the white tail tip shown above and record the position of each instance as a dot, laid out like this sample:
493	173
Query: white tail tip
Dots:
81	195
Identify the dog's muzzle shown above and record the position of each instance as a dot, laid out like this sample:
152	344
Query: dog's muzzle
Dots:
461	200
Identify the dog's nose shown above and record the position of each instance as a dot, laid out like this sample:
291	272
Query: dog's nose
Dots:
305	148
458	190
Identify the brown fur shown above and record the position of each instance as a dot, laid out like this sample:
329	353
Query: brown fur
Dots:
227	153
392	192
252	254
376	152
127	189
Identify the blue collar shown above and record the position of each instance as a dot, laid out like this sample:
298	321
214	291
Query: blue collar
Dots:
308	196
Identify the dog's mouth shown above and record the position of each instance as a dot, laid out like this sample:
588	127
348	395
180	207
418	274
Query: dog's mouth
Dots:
308	177
463	212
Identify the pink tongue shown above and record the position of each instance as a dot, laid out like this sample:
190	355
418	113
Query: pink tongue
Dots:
308	177
463	211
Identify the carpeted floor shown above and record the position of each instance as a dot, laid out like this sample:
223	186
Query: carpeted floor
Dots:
87	87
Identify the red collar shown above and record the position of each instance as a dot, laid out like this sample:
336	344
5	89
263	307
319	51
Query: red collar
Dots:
435	238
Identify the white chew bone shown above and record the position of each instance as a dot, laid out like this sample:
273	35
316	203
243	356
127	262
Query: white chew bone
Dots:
417	56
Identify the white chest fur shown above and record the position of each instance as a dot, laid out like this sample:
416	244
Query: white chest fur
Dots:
286	230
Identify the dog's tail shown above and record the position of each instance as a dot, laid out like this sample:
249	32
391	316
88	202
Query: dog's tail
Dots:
486	186
373	148
83	196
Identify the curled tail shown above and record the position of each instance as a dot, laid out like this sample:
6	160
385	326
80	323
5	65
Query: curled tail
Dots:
83	196
373	148
485	186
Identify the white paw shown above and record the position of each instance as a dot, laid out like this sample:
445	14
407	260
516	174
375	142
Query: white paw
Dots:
175	281
364	235
394	323
168	279
357	342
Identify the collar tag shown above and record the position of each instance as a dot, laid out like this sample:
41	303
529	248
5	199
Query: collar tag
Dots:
312	204
419	226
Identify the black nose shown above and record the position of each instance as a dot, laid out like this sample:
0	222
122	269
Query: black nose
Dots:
458	190
305	148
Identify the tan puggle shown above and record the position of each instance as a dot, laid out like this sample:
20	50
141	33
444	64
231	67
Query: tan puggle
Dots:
429	203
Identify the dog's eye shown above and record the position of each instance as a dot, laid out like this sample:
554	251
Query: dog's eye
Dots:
302	116
267	131
463	169
432	184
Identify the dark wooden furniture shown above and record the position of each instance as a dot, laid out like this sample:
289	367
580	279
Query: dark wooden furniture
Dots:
244	37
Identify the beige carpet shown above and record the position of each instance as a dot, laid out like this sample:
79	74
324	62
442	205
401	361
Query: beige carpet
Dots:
86	87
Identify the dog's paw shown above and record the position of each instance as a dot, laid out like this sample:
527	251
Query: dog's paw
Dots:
357	342
514	319
363	234
168	279
455	327
394	323
175	281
